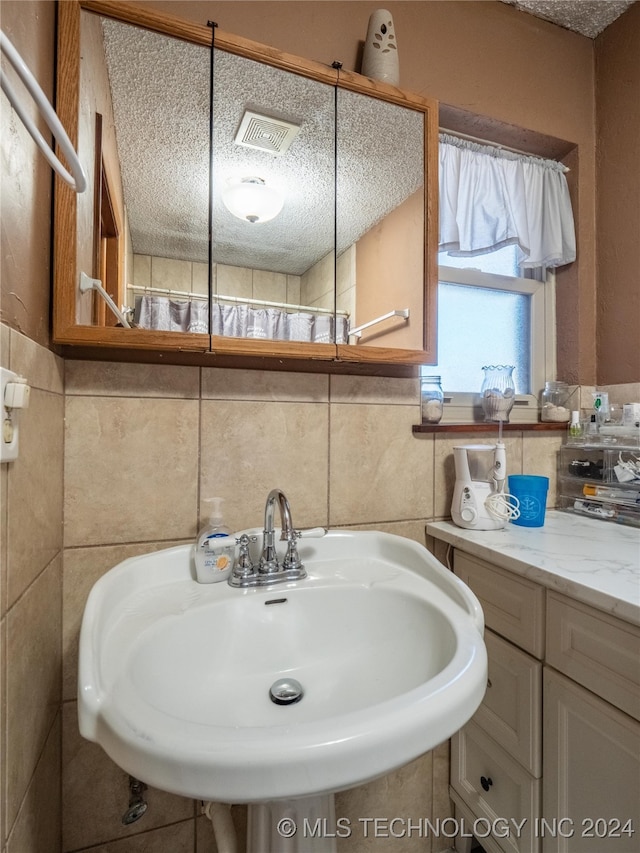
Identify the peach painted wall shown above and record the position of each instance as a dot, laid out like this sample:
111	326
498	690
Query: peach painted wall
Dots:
618	212
484	58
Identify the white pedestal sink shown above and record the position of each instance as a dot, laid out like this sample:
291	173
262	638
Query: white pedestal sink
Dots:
175	676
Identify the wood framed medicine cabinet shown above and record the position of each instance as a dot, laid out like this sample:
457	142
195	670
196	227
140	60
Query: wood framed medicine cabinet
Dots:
357	235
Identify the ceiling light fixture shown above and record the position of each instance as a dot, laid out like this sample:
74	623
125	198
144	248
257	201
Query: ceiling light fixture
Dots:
252	200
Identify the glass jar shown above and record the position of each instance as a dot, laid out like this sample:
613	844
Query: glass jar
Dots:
554	403
498	392
431	399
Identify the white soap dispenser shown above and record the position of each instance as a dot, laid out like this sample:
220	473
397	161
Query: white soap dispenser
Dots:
214	547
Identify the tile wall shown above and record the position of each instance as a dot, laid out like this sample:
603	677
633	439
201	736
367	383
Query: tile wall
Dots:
143	445
314	288
31	505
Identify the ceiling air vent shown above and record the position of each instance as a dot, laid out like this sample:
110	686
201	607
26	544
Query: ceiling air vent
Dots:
266	133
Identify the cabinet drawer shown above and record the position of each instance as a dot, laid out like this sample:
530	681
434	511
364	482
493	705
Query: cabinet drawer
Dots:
511	710
513	606
512	796
597	650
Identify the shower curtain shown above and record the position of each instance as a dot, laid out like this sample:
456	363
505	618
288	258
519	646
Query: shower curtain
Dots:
239	321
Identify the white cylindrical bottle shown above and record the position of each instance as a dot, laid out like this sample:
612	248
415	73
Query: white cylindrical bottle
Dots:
214	546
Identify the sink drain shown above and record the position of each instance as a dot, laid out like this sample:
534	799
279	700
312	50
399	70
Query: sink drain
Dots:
286	691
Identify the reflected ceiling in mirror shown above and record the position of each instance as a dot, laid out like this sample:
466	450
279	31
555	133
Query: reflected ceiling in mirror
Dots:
380	161
292	109
160	94
160	91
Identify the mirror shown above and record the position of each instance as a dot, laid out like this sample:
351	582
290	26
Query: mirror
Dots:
273	270
380	217
160	127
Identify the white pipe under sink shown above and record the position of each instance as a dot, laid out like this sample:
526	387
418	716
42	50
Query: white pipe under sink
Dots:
225	834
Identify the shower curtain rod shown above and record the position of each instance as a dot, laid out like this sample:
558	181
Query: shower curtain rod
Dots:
239	300
498	145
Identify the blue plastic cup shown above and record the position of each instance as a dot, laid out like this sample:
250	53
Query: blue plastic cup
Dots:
531	491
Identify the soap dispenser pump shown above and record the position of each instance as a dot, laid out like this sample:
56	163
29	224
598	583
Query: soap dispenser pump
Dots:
214	547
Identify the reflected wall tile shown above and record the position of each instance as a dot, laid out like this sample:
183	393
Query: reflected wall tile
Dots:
136	478
35	493
234	281
376	389
121	379
200	278
346	270
38	824
346	301
293	289
82	567
33	679
445	474
249	448
378	470
318	282
227	384
170	274
540	456
142	270
269	285
93	785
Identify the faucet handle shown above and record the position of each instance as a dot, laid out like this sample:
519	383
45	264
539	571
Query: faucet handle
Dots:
292	558
311	533
244	566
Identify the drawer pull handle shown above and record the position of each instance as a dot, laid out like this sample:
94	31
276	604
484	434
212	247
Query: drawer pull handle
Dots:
486	783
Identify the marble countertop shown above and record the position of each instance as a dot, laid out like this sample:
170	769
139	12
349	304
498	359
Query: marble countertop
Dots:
596	562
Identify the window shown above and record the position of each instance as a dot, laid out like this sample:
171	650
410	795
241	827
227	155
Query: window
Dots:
490	312
506	220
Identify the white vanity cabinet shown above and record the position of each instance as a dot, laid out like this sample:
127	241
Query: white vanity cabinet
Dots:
496	759
591	724
551	760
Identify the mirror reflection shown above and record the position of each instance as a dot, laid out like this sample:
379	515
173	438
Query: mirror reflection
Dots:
273	178
380	217
317	196
159	93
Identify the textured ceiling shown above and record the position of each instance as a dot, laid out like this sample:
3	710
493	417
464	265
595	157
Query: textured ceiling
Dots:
587	17
160	91
160	94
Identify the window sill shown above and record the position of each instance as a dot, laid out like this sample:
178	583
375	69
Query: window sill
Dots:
490	427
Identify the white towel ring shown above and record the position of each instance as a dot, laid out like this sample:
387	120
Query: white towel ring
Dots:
77	179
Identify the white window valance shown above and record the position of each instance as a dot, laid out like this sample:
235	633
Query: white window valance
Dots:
490	198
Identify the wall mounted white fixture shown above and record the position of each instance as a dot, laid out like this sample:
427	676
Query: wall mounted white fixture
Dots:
76	179
252	200
88	283
14	394
175	677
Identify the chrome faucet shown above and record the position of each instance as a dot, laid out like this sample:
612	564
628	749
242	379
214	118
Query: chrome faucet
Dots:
269	560
268	570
